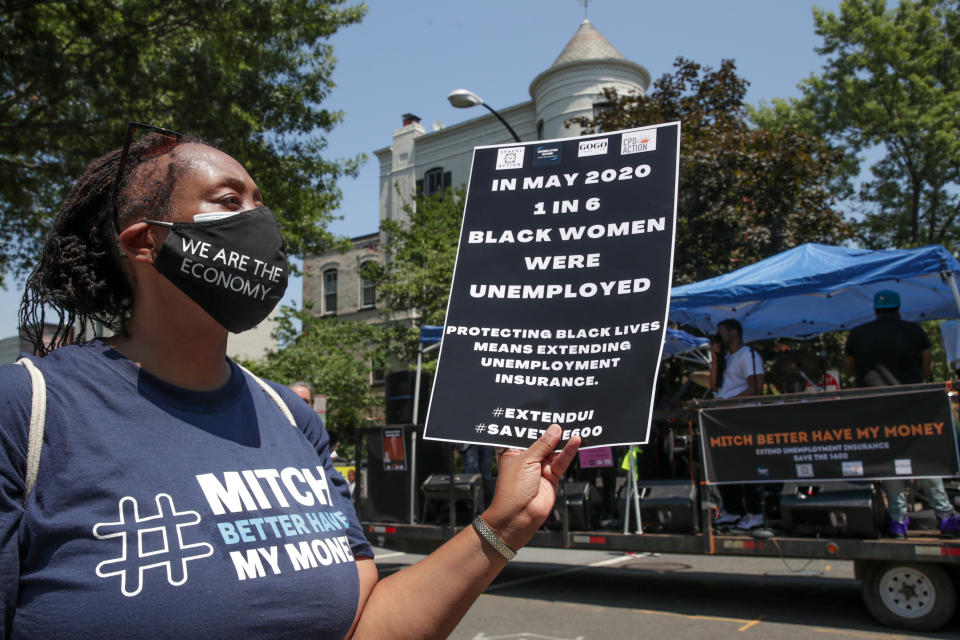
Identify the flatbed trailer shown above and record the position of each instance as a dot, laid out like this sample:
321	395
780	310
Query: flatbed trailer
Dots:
922	546
909	584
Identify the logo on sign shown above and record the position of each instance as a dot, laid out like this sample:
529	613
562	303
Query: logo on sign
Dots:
638	142
596	147
763	472
853	468
903	467
510	158
805	470
546	154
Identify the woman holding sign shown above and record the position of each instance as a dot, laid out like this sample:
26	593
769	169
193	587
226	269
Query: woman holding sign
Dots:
150	486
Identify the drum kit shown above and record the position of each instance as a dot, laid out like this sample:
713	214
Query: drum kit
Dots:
791	372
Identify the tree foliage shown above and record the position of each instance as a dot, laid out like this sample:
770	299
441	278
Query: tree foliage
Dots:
421	252
746	192
246	75
891	82
333	355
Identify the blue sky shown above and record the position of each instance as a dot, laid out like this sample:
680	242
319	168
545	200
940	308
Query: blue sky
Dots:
407	56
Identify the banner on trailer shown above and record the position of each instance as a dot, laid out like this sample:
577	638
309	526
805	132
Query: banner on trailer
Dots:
394	450
895	435
559	297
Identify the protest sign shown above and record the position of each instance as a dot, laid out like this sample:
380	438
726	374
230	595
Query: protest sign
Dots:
907	434
559	298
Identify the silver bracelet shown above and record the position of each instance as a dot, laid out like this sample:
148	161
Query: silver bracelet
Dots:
487	534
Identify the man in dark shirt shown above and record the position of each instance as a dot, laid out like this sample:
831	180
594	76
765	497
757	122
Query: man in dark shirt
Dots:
889	351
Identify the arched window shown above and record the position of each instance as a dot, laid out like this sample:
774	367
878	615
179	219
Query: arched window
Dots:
601	109
435	180
330	292
368	288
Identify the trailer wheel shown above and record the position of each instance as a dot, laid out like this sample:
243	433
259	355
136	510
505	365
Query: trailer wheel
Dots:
918	597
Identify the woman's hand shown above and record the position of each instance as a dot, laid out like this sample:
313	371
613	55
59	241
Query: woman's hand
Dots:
527	487
465	564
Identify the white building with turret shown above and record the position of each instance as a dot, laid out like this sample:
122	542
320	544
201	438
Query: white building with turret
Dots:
571	87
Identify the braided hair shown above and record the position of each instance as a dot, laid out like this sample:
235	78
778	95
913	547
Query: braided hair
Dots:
79	277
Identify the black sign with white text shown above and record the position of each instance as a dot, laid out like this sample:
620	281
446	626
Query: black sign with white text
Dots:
559	298
907	434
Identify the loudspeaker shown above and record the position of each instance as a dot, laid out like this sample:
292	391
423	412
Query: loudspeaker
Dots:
398	395
579	497
833	508
467	488
668	506
388	492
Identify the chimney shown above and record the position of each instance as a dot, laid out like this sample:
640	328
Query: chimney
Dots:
409	118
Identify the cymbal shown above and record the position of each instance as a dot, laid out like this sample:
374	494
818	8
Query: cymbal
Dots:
701	378
790	368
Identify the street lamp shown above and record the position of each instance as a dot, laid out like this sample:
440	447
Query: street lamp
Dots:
464	98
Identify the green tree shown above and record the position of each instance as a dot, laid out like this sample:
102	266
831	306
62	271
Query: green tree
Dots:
421	253
246	75
891	83
746	192
335	356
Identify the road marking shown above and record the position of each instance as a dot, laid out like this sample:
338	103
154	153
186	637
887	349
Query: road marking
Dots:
750	624
861	634
561	572
694	616
615	560
747	624
389	555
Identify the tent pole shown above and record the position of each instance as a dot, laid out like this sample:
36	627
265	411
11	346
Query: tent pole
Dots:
626	500
953	288
636	493
632	501
413	435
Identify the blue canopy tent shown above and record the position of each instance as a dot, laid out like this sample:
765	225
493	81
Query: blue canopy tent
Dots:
815	288
679	342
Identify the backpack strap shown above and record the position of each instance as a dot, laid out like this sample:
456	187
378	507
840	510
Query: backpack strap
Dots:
38	420
270	391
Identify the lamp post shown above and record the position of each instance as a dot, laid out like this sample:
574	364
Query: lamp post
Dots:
464	98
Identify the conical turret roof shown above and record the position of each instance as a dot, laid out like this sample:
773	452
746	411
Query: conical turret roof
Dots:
588	44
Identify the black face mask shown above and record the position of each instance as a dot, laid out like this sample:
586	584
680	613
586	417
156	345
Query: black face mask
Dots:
234	267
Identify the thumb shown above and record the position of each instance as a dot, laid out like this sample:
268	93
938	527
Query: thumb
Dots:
546	444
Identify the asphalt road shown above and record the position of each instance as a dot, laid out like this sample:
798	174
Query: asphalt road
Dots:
549	594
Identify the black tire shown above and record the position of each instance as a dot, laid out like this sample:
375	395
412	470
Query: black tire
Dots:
917	597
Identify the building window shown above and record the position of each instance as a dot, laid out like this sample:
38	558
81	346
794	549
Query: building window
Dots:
601	109
330	292
368	289
435	180
378	374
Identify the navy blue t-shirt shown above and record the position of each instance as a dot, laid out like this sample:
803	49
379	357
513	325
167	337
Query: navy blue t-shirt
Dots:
160	512
896	344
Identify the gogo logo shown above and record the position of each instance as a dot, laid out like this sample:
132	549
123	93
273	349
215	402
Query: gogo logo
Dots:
593	148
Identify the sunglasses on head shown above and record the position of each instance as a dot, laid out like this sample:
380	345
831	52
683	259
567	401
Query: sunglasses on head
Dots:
131	128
